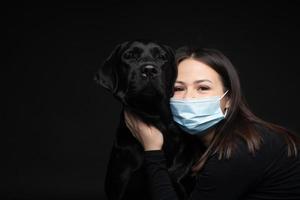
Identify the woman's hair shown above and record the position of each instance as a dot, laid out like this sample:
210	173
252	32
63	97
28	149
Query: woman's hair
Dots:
239	123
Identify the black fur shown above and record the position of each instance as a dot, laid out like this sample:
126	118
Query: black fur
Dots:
140	74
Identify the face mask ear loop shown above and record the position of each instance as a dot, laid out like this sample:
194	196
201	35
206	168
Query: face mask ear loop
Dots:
225	112
224	94
226	108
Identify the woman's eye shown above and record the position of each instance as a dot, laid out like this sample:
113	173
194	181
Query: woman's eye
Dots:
203	88
178	89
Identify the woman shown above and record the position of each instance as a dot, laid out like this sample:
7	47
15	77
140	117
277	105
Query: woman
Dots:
232	154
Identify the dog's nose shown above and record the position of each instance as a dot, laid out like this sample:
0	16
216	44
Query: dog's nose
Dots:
149	71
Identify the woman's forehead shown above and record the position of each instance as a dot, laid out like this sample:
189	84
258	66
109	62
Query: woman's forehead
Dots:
190	70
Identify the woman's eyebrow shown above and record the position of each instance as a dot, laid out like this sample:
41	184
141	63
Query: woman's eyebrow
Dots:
203	80
180	82
195	82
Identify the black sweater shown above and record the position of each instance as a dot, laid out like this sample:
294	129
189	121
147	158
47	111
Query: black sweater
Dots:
270	174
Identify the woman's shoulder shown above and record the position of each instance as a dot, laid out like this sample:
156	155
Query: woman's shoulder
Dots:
272	145
272	142
243	161
270	138
269	165
272	149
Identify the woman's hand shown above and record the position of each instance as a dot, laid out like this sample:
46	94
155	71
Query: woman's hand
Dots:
149	136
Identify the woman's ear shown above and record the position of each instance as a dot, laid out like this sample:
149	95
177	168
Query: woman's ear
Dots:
228	102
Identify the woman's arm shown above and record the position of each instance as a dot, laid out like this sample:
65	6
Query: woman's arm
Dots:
219	179
154	161
158	178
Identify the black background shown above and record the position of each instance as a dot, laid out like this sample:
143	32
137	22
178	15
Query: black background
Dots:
60	125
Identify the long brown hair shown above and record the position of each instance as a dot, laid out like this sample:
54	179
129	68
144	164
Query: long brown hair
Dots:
240	121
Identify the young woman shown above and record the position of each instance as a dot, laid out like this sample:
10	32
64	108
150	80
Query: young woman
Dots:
230	152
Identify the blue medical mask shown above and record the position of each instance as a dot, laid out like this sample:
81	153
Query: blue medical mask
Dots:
195	116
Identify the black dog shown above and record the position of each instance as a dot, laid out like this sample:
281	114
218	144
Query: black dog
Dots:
141	74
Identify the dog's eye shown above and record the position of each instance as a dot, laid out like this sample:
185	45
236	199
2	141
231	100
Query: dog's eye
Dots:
161	56
128	55
131	55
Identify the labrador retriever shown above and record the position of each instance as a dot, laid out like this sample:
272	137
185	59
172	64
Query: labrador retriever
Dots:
141	75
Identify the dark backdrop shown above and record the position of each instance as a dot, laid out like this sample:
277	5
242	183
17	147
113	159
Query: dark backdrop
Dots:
60	124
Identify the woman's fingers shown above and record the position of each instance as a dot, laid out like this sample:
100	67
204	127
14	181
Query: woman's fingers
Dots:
128	117
149	136
132	120
129	121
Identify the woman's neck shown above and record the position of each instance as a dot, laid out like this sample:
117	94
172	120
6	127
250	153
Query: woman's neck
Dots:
207	138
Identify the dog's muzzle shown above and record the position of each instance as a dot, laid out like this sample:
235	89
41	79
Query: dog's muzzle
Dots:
149	71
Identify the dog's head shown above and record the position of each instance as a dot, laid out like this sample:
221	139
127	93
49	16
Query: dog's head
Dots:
139	73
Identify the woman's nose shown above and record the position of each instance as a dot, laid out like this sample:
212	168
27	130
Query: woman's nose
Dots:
190	93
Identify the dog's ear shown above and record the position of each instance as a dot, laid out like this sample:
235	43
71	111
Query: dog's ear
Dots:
107	75
169	50
172	70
